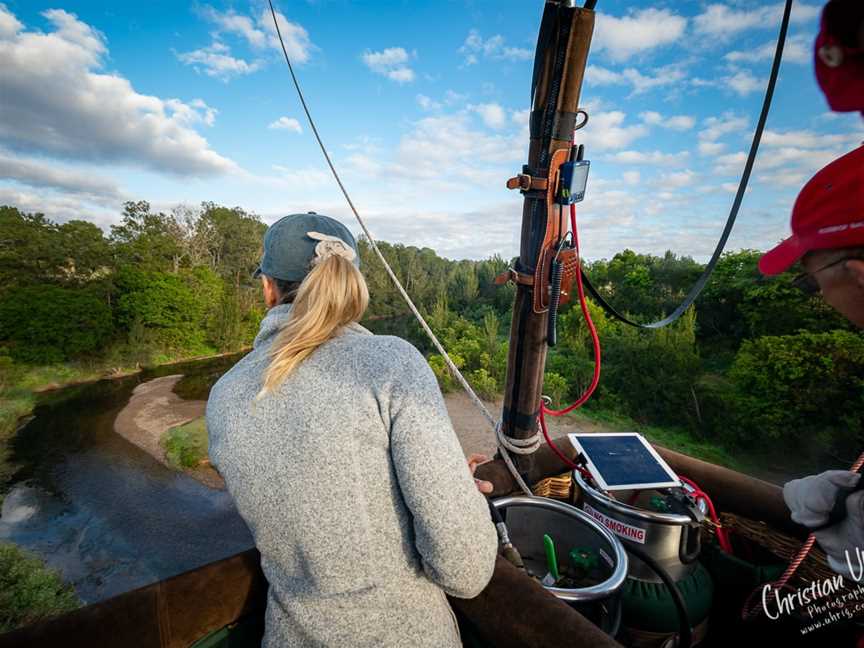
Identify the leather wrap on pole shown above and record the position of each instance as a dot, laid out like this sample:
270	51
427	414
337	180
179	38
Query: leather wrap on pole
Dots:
562	52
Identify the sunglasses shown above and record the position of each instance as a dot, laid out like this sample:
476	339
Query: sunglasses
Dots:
806	281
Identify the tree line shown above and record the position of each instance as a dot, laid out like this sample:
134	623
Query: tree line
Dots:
754	363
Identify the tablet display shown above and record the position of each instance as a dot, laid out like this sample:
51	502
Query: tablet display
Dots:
623	461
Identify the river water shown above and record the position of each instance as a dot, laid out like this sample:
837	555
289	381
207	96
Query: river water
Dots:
103	512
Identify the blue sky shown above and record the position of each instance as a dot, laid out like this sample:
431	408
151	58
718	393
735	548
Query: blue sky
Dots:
424	108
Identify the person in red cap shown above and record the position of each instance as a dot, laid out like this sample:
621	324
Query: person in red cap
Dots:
840	55
828	239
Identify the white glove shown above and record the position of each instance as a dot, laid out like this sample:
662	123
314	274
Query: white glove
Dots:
811	499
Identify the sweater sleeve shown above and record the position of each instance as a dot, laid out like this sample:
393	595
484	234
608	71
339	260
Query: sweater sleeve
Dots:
454	533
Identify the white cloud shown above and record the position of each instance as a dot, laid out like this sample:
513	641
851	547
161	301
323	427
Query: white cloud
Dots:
721	22
494	48
714	128
637	32
286	123
260	32
391	63
675	122
451	97
667	75
216	61
56	101
730	163
677	179
40	175
9	24
427	104
233	23
472	156
711	148
492	114
650	157
631	177
606	131
743	83
303	178
58	207
798	49
521	117
810	139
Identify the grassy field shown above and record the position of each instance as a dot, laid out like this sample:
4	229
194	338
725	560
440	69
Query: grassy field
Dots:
30	591
186	445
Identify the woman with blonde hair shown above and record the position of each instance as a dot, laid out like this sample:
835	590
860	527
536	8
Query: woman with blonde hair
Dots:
338	451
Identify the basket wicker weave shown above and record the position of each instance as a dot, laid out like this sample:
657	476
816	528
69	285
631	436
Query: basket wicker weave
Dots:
557	487
815	567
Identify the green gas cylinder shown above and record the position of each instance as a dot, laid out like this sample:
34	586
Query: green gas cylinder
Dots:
648	605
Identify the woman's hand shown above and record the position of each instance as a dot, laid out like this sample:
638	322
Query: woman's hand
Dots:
475	460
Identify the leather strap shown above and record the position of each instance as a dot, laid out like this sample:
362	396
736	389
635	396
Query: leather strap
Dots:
525	182
516	277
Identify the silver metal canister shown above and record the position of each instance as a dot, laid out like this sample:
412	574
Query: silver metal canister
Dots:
672	539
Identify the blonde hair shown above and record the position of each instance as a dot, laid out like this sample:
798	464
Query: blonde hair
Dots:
332	295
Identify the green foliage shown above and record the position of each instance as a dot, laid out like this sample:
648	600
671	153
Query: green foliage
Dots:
45	323
146	240
186	446
647	375
652	373
643	285
439	367
740	302
172	308
28	590
6	368
804	390
170	285
556	387
483	383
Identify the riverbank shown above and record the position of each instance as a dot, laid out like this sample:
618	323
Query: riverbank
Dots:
21	387
153	410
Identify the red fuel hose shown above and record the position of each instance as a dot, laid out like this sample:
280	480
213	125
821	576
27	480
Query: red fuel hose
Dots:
698	493
595	341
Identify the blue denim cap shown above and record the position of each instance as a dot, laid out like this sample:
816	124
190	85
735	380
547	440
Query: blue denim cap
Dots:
288	251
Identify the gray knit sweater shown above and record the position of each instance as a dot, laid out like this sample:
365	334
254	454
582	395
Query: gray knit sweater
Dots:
356	490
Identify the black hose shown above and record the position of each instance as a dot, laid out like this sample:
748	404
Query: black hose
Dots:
509	552
697	287
685	634
554	299
494	512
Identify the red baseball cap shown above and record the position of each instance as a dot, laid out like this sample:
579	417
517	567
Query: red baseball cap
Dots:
828	213
839	62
